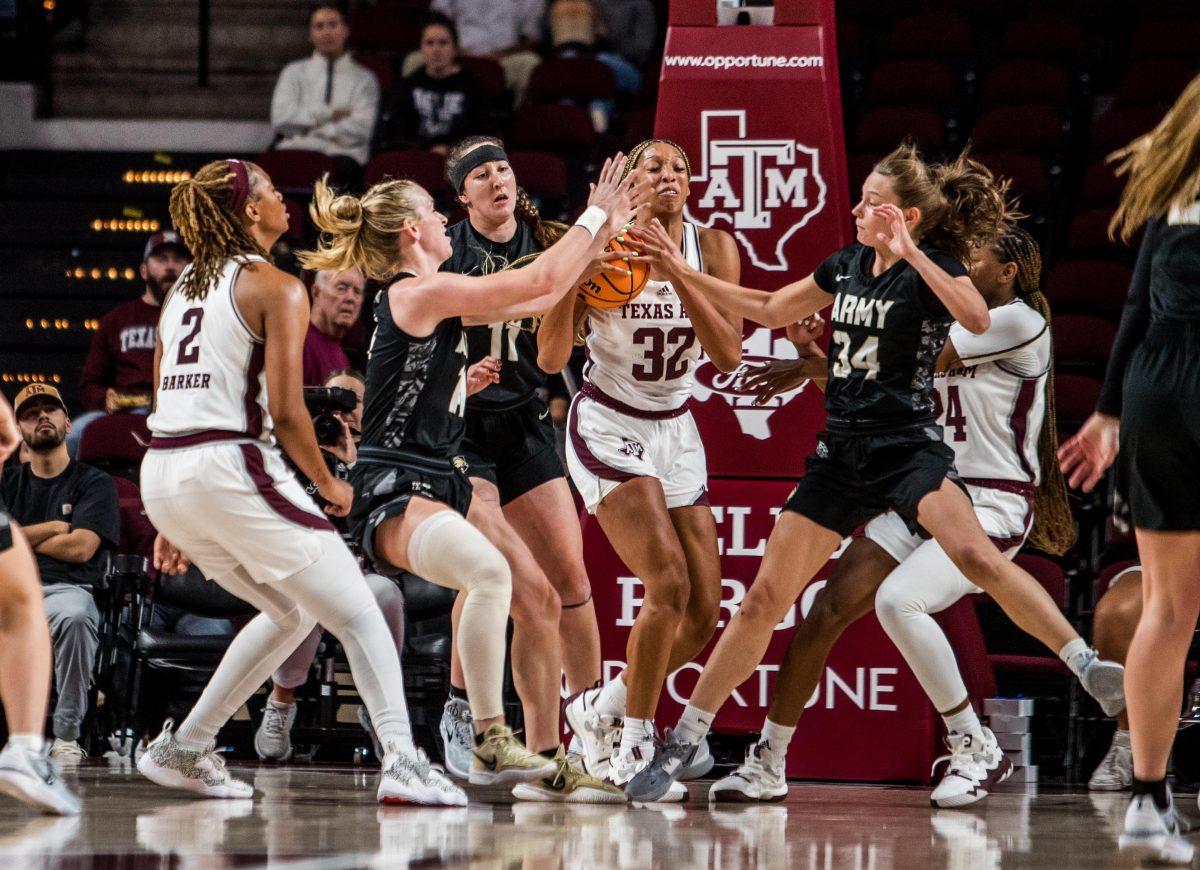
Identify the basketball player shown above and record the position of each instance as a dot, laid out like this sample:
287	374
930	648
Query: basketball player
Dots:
414	498
1149	404
636	457
26	771
895	292
522	502
227	384
995	402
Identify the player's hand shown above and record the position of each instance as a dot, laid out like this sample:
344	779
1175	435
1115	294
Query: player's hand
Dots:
621	197
339	494
900	242
111	401
655	245
806	331
169	559
10	433
607	260
770	379
483	374
345	449
1090	452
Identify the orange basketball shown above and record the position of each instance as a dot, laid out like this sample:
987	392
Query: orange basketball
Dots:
613	287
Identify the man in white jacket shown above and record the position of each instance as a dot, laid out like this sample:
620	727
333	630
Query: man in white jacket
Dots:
327	102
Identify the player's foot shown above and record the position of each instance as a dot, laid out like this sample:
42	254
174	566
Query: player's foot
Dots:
502	759
458	737
273	739
1104	681
653	782
33	778
702	763
569	784
410	778
67	752
364	719
202	772
597	733
1115	771
1152	834
624	766
974	769
759	778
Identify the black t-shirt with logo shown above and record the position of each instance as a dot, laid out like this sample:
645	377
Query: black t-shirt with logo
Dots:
81	495
886	332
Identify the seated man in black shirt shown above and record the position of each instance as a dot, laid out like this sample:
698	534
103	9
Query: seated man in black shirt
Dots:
439	102
69	514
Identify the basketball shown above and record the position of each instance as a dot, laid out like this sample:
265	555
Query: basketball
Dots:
613	287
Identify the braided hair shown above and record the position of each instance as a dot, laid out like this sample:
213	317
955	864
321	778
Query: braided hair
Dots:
202	210
545	232
635	156
1053	525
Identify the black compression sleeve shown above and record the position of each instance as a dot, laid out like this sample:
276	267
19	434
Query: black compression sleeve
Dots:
1134	319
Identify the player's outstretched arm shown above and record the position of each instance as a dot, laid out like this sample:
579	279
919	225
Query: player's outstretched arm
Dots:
557	331
720	333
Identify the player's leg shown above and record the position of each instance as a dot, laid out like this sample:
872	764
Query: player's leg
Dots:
25	772
1116	619
273	739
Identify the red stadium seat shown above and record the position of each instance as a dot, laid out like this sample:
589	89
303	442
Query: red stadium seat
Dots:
1048	574
930	34
115	439
858	167
926	83
294	171
1052	578
540	173
1100	184
1088	235
488	74
385	29
1047	35
423	167
1083	340
885	127
1154	83
1091	285
639	125
576	79
382	67
297	221
1027	174
553	126
1030	129
1167	37
1018	82
137	532
1075	398
1119	126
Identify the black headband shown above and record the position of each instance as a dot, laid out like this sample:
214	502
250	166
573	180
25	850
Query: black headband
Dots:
473	160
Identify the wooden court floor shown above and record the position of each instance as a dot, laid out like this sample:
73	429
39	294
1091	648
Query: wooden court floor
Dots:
310	817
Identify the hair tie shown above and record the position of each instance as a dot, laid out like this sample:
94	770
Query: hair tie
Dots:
241	185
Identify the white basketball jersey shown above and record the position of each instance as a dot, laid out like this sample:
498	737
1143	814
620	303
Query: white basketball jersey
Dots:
644	353
992	408
210	377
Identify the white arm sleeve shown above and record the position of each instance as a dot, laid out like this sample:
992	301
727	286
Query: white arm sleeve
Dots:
1016	335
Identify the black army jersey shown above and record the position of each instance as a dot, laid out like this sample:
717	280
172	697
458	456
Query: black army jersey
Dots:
416	387
512	342
886	332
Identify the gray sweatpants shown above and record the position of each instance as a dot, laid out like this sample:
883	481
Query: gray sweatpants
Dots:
74	630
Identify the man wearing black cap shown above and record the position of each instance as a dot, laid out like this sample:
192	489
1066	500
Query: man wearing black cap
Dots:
119	372
69	514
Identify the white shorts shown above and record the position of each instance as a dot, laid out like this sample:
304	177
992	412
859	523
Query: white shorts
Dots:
1006	517
230	504
606	447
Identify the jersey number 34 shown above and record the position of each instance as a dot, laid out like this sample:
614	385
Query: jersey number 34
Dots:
865	358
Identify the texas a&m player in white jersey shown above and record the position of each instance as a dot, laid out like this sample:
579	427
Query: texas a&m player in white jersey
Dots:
636	457
227	382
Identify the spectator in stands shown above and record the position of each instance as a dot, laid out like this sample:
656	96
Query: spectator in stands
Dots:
119	372
337	299
631	28
327	102
506	30
577	30
70	515
439	102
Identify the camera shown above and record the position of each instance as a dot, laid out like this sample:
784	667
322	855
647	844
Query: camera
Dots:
323	403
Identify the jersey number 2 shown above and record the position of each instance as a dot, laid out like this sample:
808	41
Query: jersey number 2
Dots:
189	350
658	365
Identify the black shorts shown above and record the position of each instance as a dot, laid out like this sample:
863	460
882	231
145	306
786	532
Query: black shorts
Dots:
1160	429
851	479
515	449
383	489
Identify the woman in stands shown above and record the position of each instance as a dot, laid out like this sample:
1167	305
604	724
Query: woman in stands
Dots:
637	459
414	496
26	773
895	292
227	385
1149	408
522	501
995	402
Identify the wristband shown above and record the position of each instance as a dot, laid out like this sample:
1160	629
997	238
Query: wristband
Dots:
592	219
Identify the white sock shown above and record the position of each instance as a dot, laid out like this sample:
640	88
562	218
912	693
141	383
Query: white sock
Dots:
694	724
965	721
637	734
778	736
1075	654
611	700
34	743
